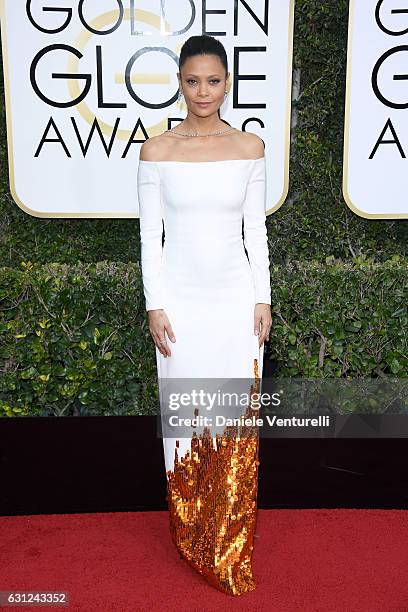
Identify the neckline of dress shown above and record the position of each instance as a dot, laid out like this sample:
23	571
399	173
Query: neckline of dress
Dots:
216	161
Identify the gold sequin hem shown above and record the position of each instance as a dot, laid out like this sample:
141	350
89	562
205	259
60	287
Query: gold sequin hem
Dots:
212	500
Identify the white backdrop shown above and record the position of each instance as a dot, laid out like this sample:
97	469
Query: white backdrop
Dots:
129	78
375	173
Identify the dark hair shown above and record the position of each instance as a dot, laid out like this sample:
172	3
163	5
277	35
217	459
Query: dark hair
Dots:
204	45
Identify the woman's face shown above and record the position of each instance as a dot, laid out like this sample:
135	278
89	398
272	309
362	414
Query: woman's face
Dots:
203	80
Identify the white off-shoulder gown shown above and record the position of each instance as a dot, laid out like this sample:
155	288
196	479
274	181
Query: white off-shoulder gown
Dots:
208	288
201	277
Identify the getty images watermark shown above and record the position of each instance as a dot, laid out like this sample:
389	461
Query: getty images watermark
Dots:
220	409
284	407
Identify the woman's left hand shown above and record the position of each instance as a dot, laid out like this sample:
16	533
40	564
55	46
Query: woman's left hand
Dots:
263	322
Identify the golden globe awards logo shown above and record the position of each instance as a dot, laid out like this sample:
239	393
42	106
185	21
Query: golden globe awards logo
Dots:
88	82
375	137
103	25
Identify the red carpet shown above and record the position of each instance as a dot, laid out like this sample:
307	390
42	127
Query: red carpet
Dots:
306	560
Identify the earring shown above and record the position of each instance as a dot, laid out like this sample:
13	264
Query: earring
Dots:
180	95
225	92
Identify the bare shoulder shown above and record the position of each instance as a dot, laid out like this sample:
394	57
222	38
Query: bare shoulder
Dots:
152	148
252	144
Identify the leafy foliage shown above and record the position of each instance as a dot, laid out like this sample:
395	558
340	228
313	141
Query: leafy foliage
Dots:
74	340
340	320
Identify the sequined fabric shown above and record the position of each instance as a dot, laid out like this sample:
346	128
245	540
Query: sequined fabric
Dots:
212	499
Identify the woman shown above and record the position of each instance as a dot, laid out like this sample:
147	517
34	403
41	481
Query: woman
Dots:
208	307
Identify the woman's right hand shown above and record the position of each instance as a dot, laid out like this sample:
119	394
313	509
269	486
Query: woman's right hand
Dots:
158	325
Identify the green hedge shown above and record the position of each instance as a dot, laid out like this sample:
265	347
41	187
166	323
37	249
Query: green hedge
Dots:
312	224
341	320
74	340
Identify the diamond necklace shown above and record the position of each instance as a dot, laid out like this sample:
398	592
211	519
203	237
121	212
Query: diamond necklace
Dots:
211	133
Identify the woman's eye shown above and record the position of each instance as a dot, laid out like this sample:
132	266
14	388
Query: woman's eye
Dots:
191	81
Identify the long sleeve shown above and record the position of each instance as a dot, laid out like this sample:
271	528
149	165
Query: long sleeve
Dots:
151	232
255	234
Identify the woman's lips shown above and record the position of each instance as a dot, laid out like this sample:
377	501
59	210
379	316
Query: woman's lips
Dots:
203	103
